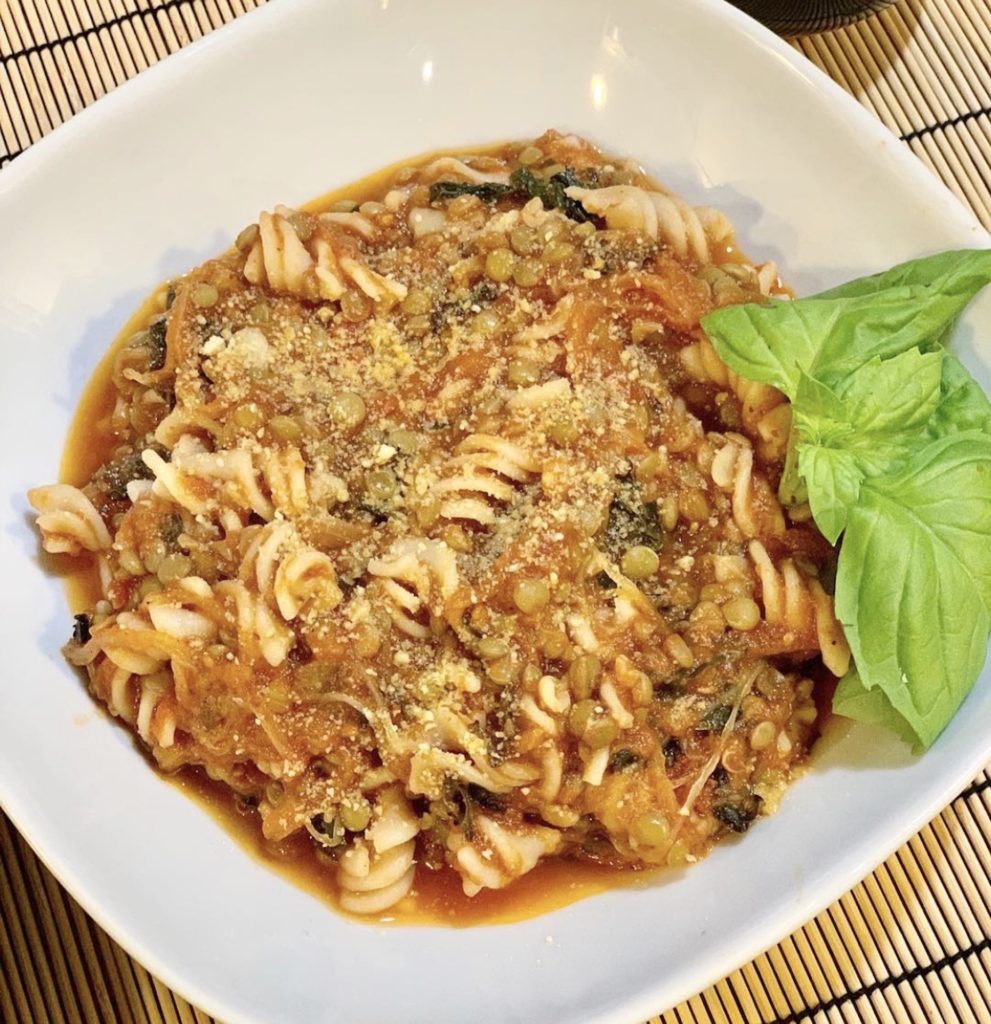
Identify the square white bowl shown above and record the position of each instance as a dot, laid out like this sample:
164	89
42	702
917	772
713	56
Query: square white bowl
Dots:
288	102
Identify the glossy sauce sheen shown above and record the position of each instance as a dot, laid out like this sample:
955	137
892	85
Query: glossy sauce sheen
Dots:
439	898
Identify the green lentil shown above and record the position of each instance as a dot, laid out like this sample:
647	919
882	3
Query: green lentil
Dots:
248	417
523	240
302	224
246	237
527	272
285	428
580	715
600	732
499	265
530	595
355	306
640	562
405	441
491	648
417	326
501	671
381	484
558	252
523	371
741	613
563	432
553	643
173	567
583	674
417	302
204	295
348	409
355	817
652	829
485	322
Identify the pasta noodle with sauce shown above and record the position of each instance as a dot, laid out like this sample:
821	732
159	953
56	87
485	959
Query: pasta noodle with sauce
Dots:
435	528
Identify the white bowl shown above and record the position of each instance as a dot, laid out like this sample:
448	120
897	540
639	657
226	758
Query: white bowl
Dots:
284	104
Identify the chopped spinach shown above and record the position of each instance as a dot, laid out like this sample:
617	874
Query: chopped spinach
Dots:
736	818
170	529
484	291
669	689
632	521
672	750
485	798
80	629
715	719
524	184
624	758
460	800
462	308
329	832
156	344
487	191
115	476
551	191
619	250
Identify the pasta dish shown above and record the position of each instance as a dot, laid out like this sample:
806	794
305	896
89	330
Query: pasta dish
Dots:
434	526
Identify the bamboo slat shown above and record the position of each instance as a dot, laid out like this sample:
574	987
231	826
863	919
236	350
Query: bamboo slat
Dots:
912	943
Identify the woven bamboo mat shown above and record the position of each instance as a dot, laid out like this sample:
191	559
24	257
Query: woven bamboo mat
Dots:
911	944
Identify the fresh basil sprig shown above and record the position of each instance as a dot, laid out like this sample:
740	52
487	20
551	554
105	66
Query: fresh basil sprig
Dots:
891	446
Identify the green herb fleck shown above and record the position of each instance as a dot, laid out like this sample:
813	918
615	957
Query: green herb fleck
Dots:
156	344
715	719
487	191
624	758
736	818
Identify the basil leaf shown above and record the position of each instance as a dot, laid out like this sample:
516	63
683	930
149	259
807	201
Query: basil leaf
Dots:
770	343
829	339
958	272
792	489
962	404
833	479
895	396
913	584
872	427
833	334
853	700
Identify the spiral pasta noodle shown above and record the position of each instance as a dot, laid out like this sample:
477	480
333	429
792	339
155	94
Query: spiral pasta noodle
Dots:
499	854
417	577
792	599
764	409
67	520
755	508
318	268
377	871
689	231
486	472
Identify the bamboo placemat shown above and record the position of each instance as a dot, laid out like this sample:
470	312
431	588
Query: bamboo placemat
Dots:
912	943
